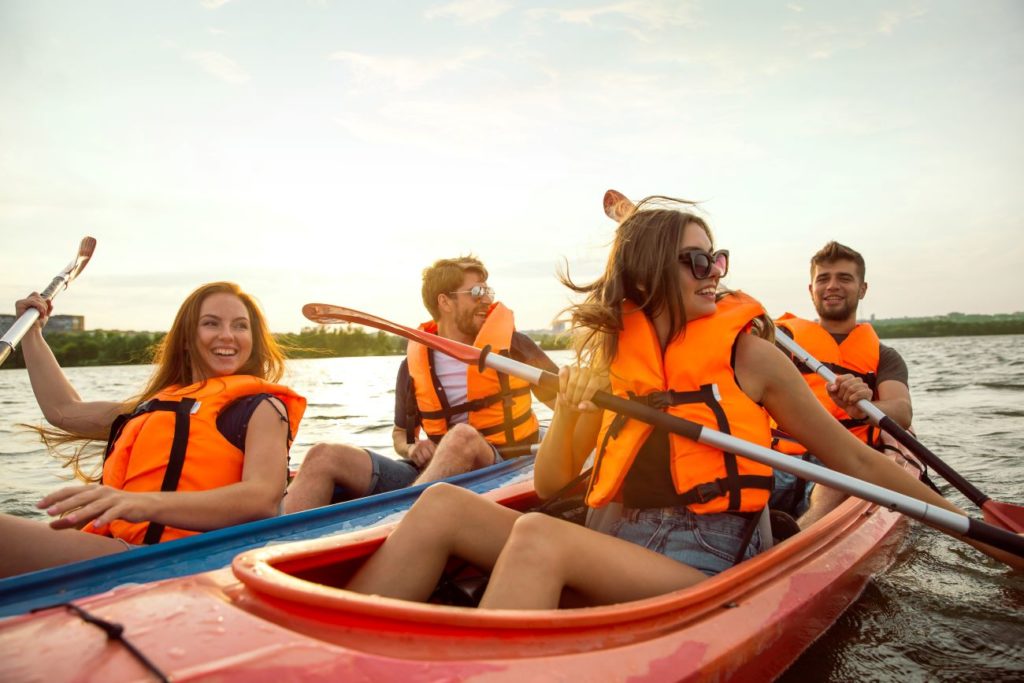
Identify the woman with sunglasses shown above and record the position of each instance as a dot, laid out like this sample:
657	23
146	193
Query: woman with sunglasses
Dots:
656	327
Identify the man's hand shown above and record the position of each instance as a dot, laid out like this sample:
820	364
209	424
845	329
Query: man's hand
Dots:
422	452
846	391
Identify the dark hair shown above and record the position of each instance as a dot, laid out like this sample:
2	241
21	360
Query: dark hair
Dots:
834	251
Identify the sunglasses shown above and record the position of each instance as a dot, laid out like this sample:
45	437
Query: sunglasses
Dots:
701	262
477	291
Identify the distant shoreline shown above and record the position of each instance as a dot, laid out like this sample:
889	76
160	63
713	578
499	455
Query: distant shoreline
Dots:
111	347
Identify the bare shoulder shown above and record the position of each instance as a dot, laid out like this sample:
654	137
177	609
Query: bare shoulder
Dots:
270	414
759	365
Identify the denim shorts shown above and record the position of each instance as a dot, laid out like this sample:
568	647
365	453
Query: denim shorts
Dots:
708	543
787	495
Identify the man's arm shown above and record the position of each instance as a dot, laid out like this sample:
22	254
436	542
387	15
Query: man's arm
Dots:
894	400
893	396
892	393
525	350
421	450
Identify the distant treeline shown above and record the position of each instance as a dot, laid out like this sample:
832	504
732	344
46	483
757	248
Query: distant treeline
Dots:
951	325
97	347
111	347
107	347
323	342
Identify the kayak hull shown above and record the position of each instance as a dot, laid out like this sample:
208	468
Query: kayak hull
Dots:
262	620
215	549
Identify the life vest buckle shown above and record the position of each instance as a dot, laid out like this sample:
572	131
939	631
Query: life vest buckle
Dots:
707	492
657	399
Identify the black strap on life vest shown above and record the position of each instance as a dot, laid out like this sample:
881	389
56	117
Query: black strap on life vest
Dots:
176	460
733	482
505	396
613	431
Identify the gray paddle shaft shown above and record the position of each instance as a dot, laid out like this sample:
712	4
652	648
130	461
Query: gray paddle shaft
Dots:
27	319
870	409
912	507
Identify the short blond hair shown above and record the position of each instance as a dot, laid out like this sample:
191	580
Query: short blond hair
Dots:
446	275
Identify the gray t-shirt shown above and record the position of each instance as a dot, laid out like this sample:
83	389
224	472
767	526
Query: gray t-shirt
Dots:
891	365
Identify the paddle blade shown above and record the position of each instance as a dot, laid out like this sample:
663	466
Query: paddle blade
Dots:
326	314
617	206
1005	515
85	250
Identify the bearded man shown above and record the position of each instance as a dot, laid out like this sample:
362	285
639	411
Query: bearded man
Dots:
865	369
450	418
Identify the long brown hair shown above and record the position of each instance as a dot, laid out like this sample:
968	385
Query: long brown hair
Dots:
174	367
642	267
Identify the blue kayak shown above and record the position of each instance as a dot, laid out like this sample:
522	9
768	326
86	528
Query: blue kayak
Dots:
215	549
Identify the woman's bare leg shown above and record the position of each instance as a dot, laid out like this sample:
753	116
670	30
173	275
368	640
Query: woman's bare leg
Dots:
31	545
544	554
446	521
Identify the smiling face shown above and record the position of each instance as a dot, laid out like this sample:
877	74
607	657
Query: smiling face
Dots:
223	341
461	311
836	289
698	294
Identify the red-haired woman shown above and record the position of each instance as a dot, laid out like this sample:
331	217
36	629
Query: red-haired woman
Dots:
203	446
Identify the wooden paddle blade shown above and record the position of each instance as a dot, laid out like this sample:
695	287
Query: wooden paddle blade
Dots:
1005	515
328	313
617	206
85	250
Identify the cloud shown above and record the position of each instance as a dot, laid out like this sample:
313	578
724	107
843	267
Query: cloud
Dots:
888	22
470	11
651	14
219	66
213	4
404	73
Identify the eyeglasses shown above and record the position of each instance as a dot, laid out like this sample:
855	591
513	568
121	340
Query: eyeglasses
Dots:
477	292
701	262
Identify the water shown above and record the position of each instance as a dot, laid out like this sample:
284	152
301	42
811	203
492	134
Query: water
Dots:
942	612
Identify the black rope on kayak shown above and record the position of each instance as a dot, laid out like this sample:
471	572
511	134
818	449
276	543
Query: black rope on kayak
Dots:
115	632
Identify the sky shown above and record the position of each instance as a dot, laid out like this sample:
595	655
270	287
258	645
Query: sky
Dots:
328	151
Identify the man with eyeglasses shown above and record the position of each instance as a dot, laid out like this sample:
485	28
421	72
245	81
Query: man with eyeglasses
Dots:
865	369
449	417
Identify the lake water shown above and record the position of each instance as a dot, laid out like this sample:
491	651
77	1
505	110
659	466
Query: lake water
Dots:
942	612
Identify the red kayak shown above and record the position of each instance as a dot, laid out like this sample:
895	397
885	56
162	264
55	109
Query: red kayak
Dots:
274	615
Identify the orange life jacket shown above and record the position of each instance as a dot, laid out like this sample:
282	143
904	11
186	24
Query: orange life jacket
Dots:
857	355
692	379
500	407
171	443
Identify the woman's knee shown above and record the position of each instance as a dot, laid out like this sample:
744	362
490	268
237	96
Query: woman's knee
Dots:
535	539
441	498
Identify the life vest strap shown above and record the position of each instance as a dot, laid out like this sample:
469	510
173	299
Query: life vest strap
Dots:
498	428
176	460
708	491
475	404
733	481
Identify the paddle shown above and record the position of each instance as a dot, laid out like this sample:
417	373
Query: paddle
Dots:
942	519
23	324
1005	515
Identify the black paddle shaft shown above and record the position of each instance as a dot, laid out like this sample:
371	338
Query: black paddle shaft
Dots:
936	463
